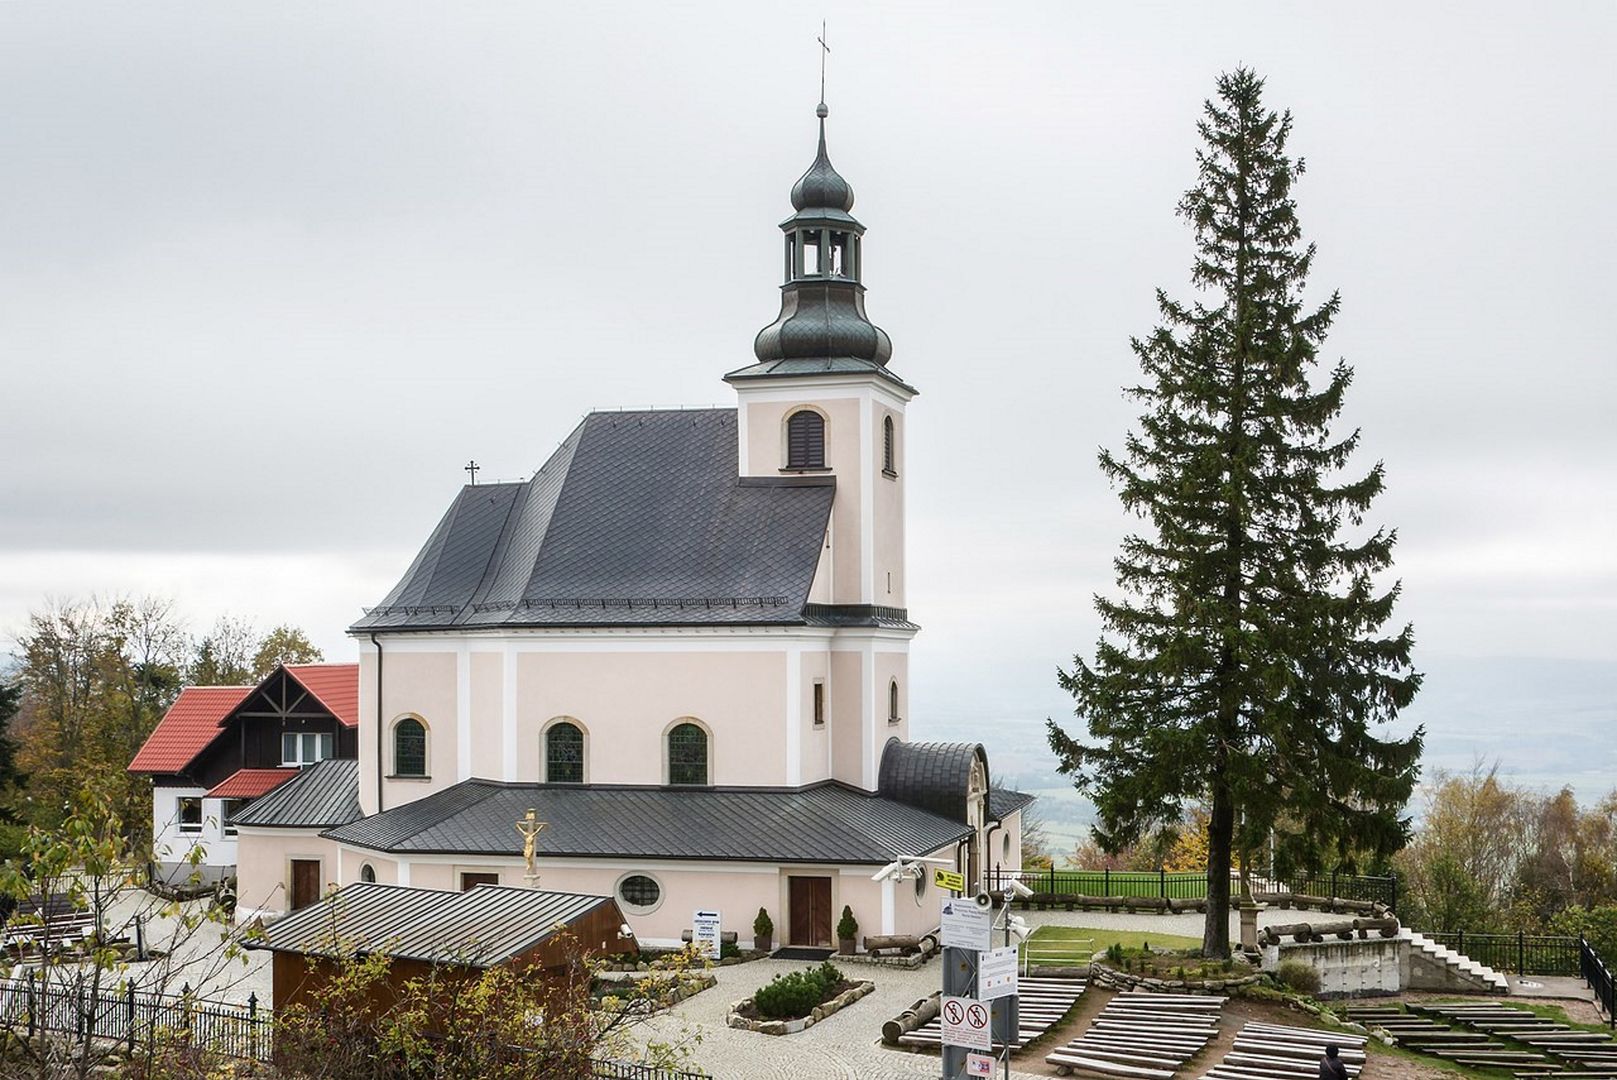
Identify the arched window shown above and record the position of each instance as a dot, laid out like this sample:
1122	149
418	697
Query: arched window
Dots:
892	702
687	755
805	440
409	747
367	874
564	753
888	460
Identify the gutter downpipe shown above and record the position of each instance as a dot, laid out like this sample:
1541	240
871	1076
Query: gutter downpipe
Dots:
988	850
377	642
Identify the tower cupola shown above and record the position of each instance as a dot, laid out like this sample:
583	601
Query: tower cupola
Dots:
822	324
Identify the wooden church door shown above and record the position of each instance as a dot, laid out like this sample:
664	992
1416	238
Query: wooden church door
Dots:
810	900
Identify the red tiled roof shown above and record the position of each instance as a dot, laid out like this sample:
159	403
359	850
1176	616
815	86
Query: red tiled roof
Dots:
336	686
187	728
250	783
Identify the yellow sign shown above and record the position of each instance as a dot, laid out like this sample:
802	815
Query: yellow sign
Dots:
948	879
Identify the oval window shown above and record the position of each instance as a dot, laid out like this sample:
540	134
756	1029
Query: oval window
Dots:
638	890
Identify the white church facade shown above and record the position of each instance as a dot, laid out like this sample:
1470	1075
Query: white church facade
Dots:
684	643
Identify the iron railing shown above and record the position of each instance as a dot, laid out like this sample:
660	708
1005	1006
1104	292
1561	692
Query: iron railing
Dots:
1176	885
1595	973
136	1018
1519	953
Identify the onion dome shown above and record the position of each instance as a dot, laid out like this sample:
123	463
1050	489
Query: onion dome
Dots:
822	187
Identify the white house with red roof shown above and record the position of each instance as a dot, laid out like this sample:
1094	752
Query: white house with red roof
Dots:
218	748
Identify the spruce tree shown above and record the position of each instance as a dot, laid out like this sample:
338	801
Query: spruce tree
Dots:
1245	665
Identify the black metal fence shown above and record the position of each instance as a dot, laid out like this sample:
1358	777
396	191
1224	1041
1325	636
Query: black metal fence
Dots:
1178	885
1594	972
135	1019
1520	953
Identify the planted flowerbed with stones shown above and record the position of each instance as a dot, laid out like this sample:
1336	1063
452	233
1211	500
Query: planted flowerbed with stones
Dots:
791	1003
1146	968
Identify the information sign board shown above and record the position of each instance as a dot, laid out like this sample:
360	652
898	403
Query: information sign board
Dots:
705	933
979	1065
996	974
965	925
949	881
965	1023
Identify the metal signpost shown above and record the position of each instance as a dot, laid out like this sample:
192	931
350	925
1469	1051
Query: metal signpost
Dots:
705	933
979	994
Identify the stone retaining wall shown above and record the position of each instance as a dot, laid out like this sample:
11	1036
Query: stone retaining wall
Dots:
1112	979
792	1027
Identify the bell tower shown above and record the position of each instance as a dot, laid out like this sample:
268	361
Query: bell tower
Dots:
821	398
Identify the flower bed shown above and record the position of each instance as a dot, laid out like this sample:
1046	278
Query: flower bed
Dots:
795	1002
1169	970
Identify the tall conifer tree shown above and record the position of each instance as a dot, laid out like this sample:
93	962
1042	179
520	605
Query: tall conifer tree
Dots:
1246	664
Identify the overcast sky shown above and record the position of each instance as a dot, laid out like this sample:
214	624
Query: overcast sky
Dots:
271	273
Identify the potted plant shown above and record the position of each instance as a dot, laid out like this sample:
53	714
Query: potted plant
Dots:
763	931
847	931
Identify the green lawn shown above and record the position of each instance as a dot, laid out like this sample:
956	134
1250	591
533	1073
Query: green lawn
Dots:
1184	886
1069	939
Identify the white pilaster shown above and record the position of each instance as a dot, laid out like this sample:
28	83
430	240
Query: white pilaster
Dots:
888	893
867	500
508	715
463	713
794	715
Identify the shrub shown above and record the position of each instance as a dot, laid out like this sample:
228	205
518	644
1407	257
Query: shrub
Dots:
762	925
847	926
786	997
1297	975
1114	954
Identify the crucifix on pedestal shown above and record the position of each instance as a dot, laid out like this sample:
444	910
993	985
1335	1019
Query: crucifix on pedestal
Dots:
530	827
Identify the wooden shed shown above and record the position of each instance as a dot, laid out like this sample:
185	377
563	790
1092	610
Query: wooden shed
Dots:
455	934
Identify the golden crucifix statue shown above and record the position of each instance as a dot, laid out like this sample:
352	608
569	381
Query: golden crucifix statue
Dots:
530	827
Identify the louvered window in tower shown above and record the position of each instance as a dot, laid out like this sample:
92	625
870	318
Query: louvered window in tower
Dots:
805	440
888	459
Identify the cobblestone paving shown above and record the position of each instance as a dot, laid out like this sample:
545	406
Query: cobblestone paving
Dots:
848	1044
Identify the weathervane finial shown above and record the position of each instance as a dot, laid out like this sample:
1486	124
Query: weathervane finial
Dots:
820	110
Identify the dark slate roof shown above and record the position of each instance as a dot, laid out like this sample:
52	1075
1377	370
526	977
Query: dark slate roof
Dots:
638	519
481	927
933	776
320	796
1004	801
825	823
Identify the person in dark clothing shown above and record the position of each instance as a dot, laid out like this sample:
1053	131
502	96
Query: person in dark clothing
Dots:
1331	1067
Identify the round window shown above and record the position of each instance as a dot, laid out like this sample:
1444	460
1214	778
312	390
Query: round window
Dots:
1005	847
638	890
920	887
367	874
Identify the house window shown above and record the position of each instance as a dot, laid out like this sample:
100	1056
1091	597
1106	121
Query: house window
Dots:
367	874
888	461
228	809
305	747
805	440
470	881
564	754
892	702
687	755
819	703
189	812
409	747
640	893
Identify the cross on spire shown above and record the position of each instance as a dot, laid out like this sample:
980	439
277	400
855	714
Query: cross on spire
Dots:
472	467
825	50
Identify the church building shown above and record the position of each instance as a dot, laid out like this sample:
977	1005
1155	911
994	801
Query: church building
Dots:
684	644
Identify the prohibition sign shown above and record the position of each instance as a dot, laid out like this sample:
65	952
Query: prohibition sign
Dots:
976	1016
955	1013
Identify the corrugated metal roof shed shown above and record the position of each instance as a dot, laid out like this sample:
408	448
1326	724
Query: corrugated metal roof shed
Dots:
318	797
827	822
480	928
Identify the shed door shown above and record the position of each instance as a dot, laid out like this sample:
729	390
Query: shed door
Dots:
305	882
810	901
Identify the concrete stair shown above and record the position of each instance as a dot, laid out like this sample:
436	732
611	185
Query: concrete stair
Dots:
1464	969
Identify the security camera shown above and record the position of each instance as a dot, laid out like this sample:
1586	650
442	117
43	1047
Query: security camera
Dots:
1018	888
625	932
984	900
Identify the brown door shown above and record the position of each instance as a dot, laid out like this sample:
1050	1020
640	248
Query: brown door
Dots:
472	881
305	882
810	901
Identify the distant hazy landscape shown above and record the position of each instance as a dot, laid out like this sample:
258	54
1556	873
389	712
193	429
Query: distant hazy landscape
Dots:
1548	722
